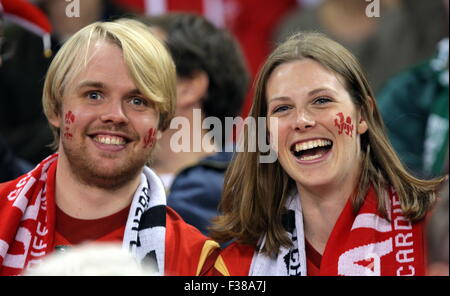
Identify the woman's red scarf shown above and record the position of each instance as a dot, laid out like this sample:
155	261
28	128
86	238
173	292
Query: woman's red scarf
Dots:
361	244
26	228
367	244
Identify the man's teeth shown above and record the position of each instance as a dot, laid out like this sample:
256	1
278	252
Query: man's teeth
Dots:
110	140
311	144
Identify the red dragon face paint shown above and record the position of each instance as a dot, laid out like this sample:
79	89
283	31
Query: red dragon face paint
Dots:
344	125
69	118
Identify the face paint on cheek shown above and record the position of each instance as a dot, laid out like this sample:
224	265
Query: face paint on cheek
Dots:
150	138
344	124
69	118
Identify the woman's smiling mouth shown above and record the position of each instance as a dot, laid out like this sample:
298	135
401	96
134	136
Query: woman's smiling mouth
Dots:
310	150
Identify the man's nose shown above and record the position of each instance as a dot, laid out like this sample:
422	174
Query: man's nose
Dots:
114	112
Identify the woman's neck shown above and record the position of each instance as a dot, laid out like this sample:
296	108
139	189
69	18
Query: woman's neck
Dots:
322	206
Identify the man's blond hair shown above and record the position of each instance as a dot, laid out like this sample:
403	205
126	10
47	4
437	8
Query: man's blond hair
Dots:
149	63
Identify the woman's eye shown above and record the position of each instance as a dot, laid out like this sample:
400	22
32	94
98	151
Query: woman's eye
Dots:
280	109
322	100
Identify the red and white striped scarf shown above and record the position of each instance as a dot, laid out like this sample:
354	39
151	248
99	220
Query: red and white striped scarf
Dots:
25	216
361	244
27	219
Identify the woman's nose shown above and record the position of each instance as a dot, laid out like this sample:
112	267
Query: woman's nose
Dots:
304	121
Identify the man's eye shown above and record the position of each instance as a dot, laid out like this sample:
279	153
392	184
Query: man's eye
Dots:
137	101
94	95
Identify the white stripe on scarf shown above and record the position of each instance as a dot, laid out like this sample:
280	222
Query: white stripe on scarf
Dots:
150	193
289	261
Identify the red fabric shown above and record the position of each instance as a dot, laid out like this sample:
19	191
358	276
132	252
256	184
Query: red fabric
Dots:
313	260
76	231
27	12
238	258
193	6
360	244
184	244
28	213
405	242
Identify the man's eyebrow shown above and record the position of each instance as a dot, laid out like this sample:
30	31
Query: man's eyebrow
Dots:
94	84
135	92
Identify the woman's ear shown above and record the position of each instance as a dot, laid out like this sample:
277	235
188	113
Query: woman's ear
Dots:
362	124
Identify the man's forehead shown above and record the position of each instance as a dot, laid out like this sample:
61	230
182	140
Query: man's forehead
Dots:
101	85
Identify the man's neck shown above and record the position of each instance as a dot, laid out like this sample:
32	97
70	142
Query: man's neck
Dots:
84	201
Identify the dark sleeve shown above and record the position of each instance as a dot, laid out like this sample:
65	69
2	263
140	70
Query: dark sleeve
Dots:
195	195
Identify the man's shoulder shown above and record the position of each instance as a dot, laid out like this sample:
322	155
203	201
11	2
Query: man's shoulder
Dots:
238	258
185	246
178	227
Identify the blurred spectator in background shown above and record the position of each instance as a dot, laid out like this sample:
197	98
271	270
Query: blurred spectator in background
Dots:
404	33
11	166
212	79
22	121
414	105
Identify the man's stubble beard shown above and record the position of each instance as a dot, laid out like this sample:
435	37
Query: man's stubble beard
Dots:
93	174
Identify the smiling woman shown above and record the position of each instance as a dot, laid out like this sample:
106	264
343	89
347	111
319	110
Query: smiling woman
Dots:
338	199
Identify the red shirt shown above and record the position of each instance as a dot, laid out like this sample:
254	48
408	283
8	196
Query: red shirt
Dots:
73	231
313	259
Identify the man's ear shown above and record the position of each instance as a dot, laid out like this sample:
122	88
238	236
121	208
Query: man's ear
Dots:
158	135
191	90
55	120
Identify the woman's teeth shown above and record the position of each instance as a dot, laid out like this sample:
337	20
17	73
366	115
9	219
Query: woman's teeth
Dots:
311	144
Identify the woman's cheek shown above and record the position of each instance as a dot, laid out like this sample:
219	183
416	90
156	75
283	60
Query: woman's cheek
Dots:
344	124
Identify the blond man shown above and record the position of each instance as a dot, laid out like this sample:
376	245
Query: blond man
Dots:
108	95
